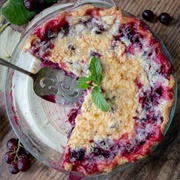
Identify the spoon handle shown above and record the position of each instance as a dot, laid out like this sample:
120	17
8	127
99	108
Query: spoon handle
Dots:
12	66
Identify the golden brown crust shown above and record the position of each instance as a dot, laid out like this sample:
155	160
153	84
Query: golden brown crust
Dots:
30	40
167	109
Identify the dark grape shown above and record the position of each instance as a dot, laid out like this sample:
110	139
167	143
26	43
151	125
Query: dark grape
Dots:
23	155
13	167
24	164
23	152
148	15
12	144
17	157
28	153
164	18
9	157
31	5
36	5
42	4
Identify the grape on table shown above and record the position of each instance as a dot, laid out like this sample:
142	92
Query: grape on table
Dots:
17	157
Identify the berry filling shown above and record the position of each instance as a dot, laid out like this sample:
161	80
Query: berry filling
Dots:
132	36
103	153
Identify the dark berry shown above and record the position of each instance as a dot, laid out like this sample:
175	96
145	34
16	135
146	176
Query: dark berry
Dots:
12	144
159	91
23	153
23	164
9	157
28	153
13	167
98	151
50	34
42	4
148	15
98	32
31	5
71	47
77	155
96	54
164	18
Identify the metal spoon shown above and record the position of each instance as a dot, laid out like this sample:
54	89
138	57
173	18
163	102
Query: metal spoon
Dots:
51	84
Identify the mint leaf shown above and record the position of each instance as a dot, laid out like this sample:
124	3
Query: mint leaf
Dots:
16	13
99	99
82	83
96	70
96	77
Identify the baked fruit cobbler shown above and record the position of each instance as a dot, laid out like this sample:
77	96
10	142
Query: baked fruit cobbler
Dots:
137	83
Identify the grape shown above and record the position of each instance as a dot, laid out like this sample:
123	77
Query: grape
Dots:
27	153
22	153
24	164
12	144
9	157
36	5
30	5
13	167
42	4
17	157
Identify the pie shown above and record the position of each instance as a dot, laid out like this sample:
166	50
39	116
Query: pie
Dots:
138	85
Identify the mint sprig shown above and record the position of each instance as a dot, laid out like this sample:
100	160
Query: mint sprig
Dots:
95	77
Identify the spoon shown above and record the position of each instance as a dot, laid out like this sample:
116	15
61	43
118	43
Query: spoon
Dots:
51	84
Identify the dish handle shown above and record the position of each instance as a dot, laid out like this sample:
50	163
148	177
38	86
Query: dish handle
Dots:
107	2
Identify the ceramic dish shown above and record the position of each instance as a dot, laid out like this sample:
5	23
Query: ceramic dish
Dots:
42	126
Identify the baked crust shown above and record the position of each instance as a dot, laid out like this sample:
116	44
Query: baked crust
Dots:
137	81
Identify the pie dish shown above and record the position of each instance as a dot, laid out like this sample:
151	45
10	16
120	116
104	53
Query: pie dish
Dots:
138	84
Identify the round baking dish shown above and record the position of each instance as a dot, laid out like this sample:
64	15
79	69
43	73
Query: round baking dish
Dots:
40	125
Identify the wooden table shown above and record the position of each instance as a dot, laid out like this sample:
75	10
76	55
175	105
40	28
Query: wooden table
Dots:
164	162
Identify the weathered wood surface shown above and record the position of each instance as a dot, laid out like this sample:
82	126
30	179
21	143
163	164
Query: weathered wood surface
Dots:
164	162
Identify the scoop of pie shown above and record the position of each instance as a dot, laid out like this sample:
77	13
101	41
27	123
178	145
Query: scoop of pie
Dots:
137	85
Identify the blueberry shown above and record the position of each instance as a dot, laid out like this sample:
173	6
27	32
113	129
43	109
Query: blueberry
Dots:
102	143
96	54
141	143
164	18
77	155
159	91
71	47
65	29
98	32
50	34
98	151
148	15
